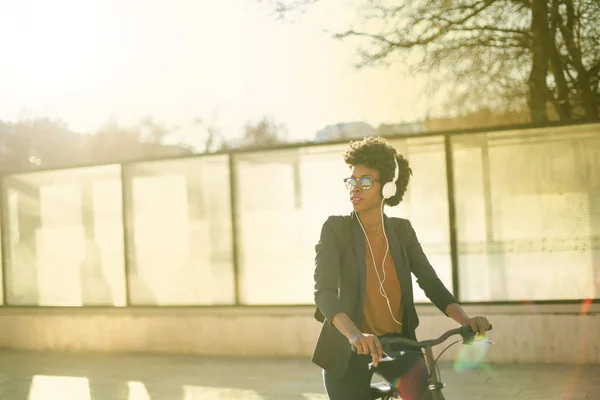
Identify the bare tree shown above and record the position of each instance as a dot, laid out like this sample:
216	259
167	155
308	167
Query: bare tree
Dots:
38	143
497	53
578	46
41	143
265	132
211	133
150	131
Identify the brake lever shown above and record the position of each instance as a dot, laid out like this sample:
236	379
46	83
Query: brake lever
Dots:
386	358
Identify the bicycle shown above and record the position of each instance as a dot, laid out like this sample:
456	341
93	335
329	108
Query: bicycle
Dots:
386	391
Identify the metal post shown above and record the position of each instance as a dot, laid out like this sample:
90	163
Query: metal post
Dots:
234	230
4	238
127	204
452	215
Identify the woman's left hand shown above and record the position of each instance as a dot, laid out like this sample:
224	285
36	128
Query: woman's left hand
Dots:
479	325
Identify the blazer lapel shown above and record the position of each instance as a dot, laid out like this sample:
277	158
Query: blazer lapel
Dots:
360	254
399	256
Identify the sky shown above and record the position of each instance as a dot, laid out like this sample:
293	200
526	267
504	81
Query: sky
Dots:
86	62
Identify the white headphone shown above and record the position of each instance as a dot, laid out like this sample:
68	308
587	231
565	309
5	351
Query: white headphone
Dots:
389	189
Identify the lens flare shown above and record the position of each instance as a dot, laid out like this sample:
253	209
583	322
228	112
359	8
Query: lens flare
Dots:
473	356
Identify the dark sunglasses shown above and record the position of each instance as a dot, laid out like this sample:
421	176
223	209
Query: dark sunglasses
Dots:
365	182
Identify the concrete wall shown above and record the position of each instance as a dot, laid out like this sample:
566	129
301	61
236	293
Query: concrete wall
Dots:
523	334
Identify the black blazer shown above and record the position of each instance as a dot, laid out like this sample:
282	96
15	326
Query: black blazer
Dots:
340	282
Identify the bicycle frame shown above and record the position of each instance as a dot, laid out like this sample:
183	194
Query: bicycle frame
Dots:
435	382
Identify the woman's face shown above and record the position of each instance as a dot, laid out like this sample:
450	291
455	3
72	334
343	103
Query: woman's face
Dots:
362	197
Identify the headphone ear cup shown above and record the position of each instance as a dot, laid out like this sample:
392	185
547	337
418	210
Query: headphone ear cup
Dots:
389	190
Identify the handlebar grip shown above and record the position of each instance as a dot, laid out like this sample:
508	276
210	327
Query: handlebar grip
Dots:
467	333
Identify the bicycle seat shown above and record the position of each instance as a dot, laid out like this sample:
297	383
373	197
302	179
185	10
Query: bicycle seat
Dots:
382	390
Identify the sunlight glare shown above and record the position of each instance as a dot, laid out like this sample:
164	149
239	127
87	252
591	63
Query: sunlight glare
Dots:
58	49
216	393
86	62
314	396
45	387
137	391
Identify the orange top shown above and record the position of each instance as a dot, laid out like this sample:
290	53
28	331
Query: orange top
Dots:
377	319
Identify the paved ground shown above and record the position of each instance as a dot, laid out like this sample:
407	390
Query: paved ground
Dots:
59	376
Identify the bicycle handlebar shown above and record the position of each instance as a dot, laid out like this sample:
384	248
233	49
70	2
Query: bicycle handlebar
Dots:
465	331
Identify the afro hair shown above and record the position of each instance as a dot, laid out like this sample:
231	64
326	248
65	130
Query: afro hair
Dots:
377	153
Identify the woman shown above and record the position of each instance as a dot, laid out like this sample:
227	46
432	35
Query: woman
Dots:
363	287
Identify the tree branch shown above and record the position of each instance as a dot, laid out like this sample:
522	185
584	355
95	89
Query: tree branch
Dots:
492	29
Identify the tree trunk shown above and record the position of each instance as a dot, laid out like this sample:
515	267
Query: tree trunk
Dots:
561	102
538	87
584	84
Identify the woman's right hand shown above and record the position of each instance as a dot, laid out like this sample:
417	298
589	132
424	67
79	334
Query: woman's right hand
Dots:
366	343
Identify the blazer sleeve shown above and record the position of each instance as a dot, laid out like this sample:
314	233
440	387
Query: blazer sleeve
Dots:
426	276
327	271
